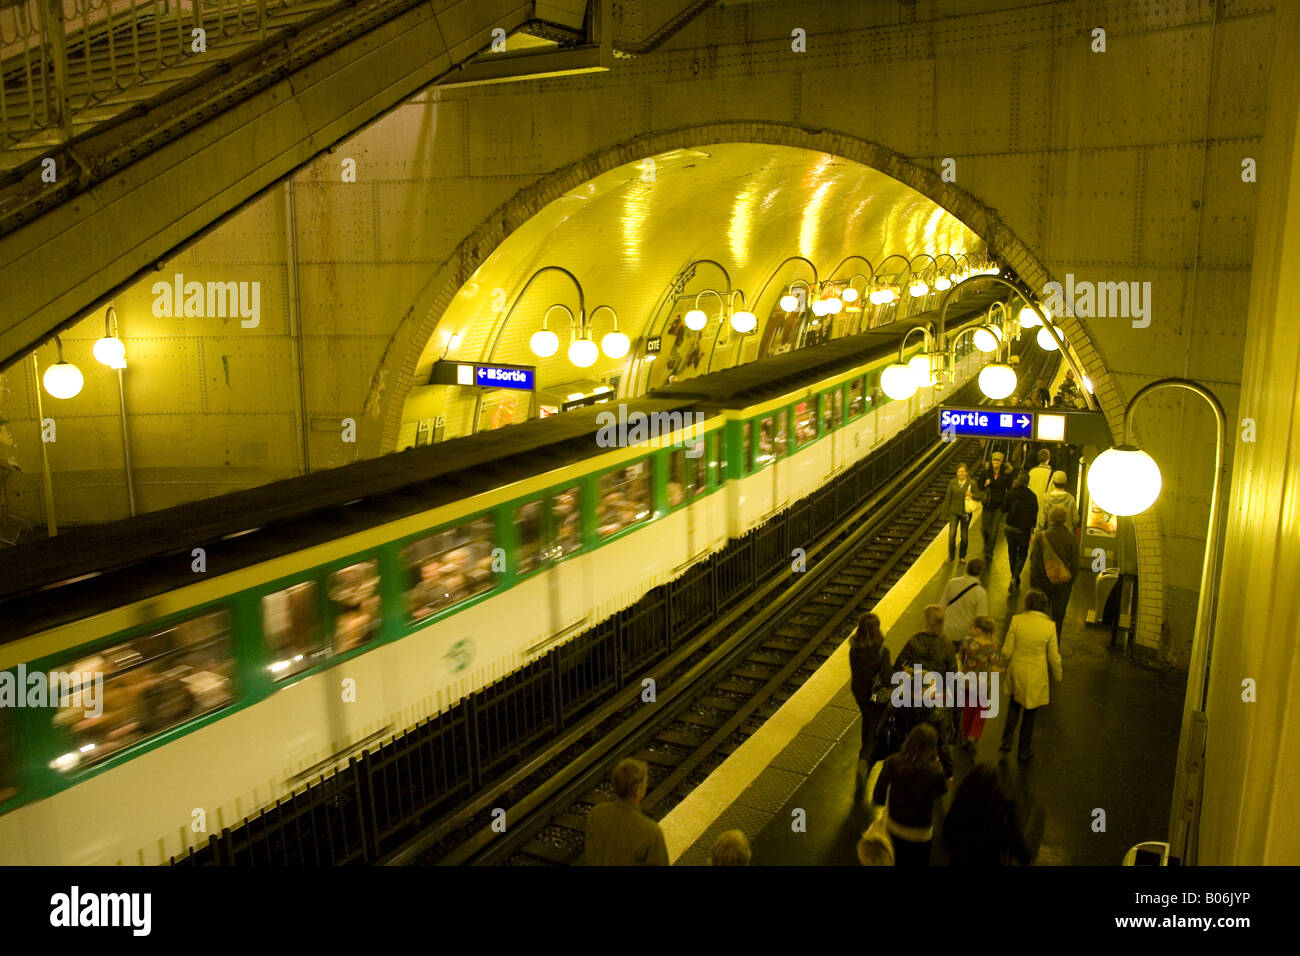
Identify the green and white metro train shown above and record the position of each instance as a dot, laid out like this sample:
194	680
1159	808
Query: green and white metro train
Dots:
222	691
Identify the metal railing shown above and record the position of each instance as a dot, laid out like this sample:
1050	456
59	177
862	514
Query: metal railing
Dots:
60	58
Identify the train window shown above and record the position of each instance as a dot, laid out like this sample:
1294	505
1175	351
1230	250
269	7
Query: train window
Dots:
528	531
566	518
696	481
837	407
766	442
292	631
8	757
354	601
624	498
145	686
857	398
448	567
677	477
716	467
805	422
782	429
826	412
749	446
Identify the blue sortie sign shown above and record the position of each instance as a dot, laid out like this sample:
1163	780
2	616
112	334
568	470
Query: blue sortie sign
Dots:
497	376
985	423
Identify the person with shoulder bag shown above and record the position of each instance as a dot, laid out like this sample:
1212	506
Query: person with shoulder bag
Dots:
1053	558
870	685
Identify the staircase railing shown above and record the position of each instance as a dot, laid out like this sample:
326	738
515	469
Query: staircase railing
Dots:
61	57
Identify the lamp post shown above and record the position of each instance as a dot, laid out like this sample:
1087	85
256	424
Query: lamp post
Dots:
111	352
1126	481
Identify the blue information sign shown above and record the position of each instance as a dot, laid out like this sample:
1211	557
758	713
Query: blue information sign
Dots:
502	376
985	423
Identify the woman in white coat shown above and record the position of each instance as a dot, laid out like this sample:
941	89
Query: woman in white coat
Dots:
1029	650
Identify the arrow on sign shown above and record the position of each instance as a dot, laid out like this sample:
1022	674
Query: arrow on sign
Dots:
1024	420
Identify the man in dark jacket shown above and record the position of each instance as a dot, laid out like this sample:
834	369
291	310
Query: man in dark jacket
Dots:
1021	510
954	511
993	482
935	654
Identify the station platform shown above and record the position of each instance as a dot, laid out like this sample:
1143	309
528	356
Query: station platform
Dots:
1107	741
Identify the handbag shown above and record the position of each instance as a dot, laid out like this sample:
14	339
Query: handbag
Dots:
877	833
1056	570
971	504
881	691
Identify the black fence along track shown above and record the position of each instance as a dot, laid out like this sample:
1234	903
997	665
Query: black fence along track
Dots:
722	700
427	793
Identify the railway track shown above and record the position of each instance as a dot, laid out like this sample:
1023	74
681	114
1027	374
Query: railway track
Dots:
718	691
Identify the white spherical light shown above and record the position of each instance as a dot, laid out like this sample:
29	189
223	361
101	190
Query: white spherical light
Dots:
898	382
819	307
850	294
696	319
544	343
994	269
583	353
744	322
943	283
921	371
834	306
1046	341
111	352
918	289
615	345
1029	318
789	302
1124	481
997	380
985	340
878	297
63	380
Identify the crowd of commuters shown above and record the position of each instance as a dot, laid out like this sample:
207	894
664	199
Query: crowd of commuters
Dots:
985	825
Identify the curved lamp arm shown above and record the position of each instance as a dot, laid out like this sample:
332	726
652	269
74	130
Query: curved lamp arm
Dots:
870	268
591	318
1021	290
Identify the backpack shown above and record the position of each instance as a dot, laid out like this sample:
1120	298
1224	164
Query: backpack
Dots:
1056	570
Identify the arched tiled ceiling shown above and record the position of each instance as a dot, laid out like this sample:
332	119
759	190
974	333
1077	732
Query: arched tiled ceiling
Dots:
627	233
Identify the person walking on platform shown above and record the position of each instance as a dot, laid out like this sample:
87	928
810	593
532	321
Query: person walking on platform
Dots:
1053	560
993	483
983	826
869	682
1040	476
909	783
980	658
618	833
933	653
1058	496
964	599
1029	652
1021	507
958	503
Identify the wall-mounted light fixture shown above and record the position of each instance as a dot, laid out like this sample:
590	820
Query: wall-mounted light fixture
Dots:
63	379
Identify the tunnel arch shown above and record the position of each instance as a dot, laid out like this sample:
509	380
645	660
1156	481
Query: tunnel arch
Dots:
394	377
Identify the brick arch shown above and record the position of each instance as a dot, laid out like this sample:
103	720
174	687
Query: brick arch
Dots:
394	377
